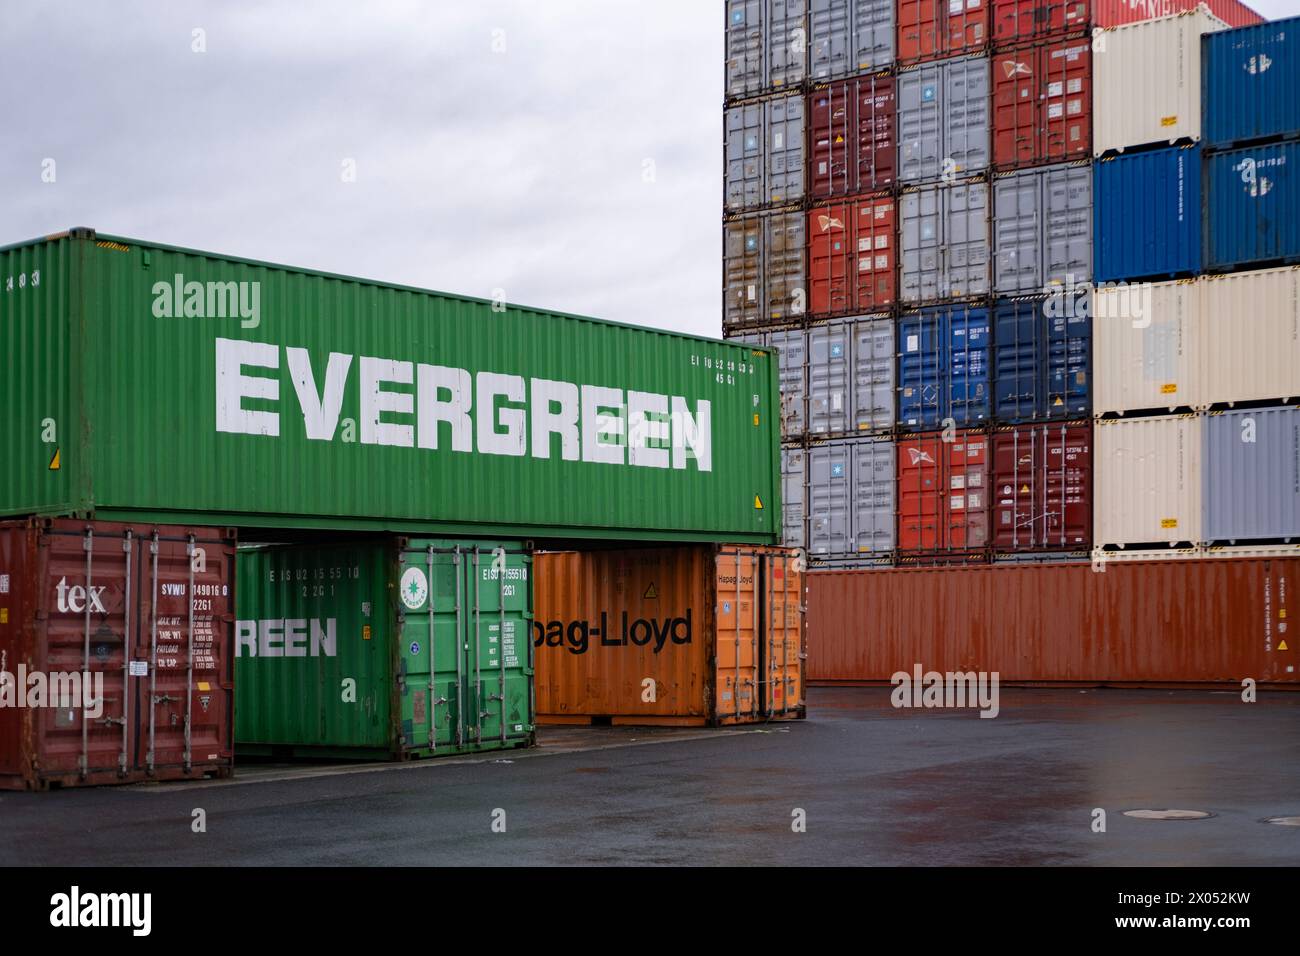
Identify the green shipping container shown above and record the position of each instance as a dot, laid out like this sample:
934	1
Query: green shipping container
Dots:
400	648
147	382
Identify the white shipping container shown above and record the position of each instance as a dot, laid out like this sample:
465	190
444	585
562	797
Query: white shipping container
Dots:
1146	81
1147	346
1147	481
1251	336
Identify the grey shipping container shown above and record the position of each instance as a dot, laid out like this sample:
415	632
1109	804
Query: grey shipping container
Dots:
943	119
764	152
767	45
794	477
1042	228
944	242
792	352
763	269
1251	475
850	36
874	354
851	495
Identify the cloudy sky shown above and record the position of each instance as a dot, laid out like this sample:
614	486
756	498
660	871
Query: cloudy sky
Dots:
565	151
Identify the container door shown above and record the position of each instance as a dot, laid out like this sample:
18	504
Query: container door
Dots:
742	271
873	375
919	486
784	163
966	114
967	349
876	147
964	225
1018	233
792	356
1015	107
781	648
1067	226
1014	480
829	482
873	34
431	607
744	46
874	237
1017	353
1067	487
745	157
787	44
920	118
1066	85
831	254
792	498
828	379
873	498
920	393
504	586
784	258
828	36
966	502
1069	358
830	138
738	622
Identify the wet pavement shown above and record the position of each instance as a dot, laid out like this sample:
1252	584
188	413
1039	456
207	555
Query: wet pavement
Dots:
876	786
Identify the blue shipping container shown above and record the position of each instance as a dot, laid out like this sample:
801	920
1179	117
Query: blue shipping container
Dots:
943	367
1042	358
1250	83
1253	207
1147	217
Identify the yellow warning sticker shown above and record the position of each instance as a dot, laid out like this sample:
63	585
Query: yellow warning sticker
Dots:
1281	612
203	685
1169	522
1058	401
756	419
54	462
4	615
1169	120
1168	388
758	503
1024	489
1283	647
365	632
651	593
839	138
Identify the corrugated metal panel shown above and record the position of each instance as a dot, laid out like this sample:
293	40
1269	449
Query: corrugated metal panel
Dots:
851	136
943	493
1251	82
1042	487
1042	358
850	36
1147	82
1147	342
767	45
792	351
872	394
341	400
830	497
142	615
1022	21
874	494
851	256
793	479
1147	215
929	29
830	378
1110	13
41	410
943	119
943	367
1147	481
1042	229
944	242
1255	355
1252	475
1253	206
1153	621
764	153
719	631
764	266
1042	103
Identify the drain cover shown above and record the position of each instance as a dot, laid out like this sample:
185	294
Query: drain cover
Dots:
1168	814
1284	821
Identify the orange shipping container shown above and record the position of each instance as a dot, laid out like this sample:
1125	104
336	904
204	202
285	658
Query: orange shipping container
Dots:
692	635
1190	621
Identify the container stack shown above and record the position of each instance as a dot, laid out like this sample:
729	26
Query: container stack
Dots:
1198	308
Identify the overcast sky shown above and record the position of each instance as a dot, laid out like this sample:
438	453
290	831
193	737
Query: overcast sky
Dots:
565	151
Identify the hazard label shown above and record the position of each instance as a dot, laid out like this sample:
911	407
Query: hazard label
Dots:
651	593
758	502
1282	646
55	462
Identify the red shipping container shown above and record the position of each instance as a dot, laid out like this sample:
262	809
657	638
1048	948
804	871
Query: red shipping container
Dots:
943	502
852	134
1042	488
1042	104
851	256
933	29
1136	622
1028	21
140	614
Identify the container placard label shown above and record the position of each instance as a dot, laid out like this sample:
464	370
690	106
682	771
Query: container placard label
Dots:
139	668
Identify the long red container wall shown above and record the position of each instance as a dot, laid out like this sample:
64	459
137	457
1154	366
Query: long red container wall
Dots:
1124	622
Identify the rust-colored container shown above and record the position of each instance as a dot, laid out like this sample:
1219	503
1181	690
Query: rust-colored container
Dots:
1042	487
933	29
690	635
851	136
148	611
852	255
1042	104
1142	622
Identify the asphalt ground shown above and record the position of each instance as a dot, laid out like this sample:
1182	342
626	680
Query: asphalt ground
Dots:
872	785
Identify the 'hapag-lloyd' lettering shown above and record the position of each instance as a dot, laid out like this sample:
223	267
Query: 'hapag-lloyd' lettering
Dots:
639	632
414	405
